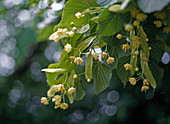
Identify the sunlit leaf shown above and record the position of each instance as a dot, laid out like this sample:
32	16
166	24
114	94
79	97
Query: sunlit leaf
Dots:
71	8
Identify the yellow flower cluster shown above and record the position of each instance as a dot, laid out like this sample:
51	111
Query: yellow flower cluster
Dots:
128	27
135	42
71	90
125	47
158	24
64	106
166	29
127	66
141	17
56	35
132	81
136	23
104	55
136	53
119	36
160	15
67	47
134	12
78	60
44	101
110	60
58	98
145	59
145	86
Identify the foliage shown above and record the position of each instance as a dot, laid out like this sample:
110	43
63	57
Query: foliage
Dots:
127	47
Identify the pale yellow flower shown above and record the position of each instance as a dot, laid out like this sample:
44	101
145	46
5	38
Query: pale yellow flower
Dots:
67	47
71	90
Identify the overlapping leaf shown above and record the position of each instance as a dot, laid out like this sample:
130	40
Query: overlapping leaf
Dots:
111	23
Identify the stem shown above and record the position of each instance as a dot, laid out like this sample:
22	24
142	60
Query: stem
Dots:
81	74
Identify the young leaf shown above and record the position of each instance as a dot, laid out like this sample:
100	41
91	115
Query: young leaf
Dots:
79	93
102	75
122	73
111	23
146	70
88	67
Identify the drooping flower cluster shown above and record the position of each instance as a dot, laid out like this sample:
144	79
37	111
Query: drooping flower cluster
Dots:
57	93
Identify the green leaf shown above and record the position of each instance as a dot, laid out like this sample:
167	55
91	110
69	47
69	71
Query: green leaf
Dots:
111	23
102	75
88	67
149	6
144	45
157	51
79	93
83	45
71	8
146	70
122	73
157	72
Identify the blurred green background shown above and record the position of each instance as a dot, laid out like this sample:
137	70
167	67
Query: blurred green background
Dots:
25	26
